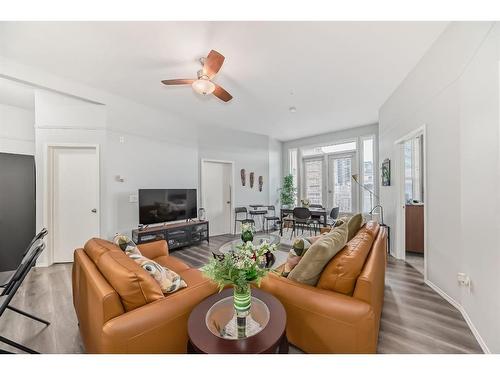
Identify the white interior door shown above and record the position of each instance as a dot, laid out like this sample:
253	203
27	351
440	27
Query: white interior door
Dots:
75	199
216	194
341	190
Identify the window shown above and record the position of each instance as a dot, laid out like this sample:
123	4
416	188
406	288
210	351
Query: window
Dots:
329	149
313	176
413	156
368	176
342	184
292	162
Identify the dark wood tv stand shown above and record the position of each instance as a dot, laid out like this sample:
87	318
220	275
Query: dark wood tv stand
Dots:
177	235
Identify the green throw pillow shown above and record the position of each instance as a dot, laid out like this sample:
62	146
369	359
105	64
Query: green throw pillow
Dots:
354	225
310	266
300	245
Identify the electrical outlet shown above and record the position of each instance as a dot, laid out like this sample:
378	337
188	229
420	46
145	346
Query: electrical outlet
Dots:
133	198
122	139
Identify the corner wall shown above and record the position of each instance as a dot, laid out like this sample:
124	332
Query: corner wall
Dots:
454	91
17	130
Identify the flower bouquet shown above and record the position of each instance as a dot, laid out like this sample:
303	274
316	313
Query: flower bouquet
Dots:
240	268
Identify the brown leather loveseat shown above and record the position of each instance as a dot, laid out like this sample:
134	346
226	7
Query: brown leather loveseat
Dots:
341	314
121	308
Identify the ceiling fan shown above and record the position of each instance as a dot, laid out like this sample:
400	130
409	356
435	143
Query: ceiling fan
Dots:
204	85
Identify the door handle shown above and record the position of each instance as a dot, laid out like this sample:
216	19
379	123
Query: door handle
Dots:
94	210
228	202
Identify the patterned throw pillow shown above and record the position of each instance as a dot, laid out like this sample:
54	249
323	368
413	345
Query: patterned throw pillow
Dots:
291	261
126	244
168	280
299	248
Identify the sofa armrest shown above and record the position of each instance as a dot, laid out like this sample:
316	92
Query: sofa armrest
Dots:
323	321
158	327
154	249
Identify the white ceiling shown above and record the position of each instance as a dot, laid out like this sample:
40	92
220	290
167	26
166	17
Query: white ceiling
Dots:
337	74
16	94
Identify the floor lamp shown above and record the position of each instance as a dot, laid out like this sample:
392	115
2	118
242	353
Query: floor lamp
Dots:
355	177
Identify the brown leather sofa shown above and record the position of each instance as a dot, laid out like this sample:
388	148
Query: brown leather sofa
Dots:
121	309
341	314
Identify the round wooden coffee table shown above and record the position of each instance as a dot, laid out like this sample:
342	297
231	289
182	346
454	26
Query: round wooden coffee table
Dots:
270	339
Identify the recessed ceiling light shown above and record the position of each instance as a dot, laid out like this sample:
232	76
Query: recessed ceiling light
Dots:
292	109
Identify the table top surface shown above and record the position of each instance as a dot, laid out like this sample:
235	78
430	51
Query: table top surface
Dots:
203	340
257	212
312	209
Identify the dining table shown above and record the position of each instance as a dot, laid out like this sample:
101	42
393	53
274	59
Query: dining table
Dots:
321	213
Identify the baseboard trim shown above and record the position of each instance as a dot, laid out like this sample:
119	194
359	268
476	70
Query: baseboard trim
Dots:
460	308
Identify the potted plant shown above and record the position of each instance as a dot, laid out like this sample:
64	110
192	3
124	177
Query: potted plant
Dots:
240	268
288	192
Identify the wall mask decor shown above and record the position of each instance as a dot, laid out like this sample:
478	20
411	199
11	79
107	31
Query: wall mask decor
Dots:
252	175
261	182
386	172
243	174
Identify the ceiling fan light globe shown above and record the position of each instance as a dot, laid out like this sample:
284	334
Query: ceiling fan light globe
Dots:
203	86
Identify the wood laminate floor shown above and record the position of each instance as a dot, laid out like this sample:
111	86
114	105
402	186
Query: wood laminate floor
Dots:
415	319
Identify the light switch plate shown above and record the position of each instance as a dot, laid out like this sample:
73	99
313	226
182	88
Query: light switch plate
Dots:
132	198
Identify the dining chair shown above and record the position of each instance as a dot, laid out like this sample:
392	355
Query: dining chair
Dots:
316	221
10	289
273	218
239	211
334	215
7	275
301	220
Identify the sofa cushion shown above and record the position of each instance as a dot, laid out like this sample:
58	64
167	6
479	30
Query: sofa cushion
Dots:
354	223
309	268
132	283
172	263
194	277
342	271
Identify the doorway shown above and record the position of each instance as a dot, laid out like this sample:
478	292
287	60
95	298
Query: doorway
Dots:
412	201
217	194
73	198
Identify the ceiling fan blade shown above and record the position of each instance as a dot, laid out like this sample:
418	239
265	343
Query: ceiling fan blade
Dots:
178	81
212	65
221	93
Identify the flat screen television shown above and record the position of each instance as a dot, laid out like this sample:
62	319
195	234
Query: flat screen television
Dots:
164	205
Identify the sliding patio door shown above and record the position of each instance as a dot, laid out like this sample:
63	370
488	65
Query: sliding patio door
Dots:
342	191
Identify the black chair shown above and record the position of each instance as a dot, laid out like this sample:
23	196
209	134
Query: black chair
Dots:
241	210
316	221
10	289
8	274
334	215
273	218
302	220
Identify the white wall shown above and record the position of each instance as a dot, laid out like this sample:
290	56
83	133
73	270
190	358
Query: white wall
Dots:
143	162
246	150
17	130
275	171
454	91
